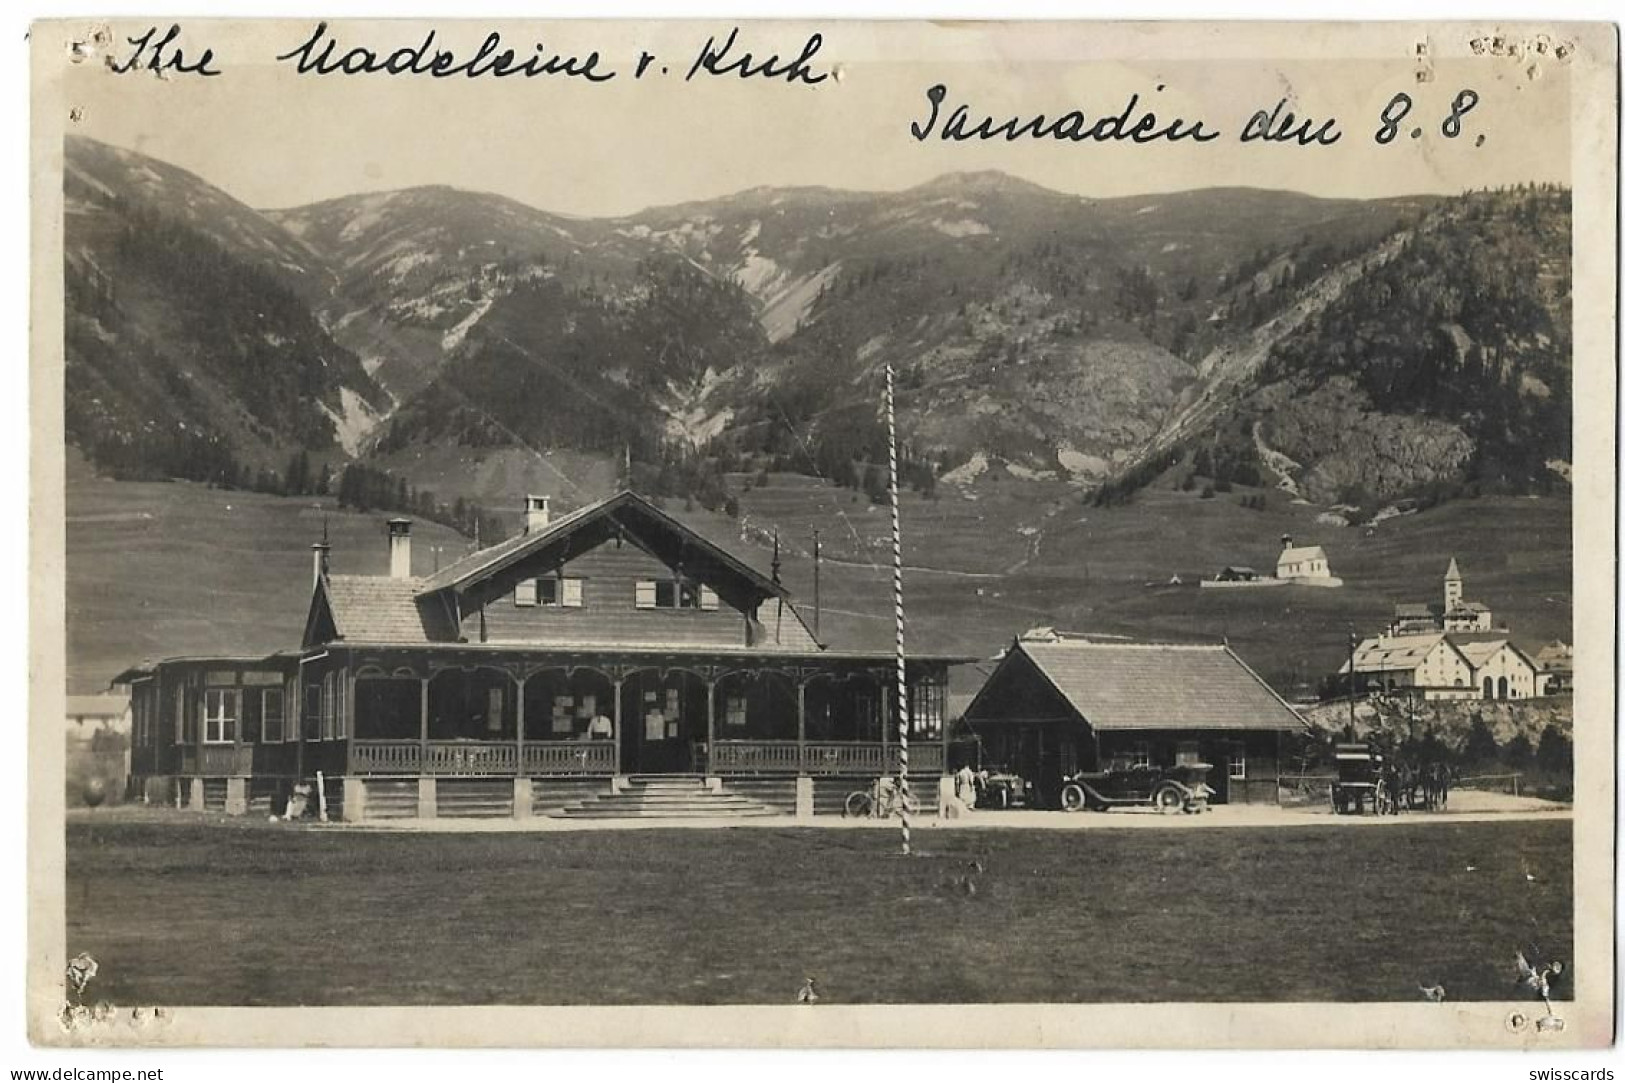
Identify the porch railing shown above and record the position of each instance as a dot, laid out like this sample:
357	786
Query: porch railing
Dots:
471	758
569	758
454	758
386	758
754	757
820	758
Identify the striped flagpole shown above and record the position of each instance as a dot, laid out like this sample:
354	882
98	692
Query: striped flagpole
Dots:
897	606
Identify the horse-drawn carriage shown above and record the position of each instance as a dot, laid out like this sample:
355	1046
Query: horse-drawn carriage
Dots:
1361	781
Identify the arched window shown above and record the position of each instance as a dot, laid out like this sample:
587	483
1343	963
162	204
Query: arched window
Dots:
1501	688
1489	687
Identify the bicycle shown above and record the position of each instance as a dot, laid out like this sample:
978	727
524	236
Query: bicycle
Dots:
880	801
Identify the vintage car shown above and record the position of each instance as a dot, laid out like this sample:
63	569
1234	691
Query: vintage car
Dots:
999	788
1182	788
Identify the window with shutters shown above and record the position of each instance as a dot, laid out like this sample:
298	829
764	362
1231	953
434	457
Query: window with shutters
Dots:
550	592
673	594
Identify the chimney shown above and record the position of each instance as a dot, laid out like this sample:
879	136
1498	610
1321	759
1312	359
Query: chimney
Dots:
1286	541
400	548
536	513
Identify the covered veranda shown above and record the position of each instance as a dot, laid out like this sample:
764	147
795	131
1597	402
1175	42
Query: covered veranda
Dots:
495	711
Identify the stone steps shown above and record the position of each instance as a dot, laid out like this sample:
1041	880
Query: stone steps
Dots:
646	798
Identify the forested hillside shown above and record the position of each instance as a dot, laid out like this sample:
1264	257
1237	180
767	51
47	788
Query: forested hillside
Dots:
1462	340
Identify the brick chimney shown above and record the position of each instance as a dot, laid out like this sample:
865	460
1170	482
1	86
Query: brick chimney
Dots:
400	548
536	513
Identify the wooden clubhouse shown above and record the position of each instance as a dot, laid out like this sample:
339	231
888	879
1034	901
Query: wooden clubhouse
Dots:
609	661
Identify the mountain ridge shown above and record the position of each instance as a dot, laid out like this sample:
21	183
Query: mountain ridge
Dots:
1041	334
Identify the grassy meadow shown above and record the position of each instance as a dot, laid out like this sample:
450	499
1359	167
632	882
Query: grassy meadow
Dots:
185	911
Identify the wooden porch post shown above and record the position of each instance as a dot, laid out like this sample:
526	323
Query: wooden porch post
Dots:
423	727
618	726
942	720
710	725
519	730
349	716
801	725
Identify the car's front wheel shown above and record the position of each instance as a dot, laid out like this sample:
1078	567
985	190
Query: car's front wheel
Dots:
1073	799
1168	799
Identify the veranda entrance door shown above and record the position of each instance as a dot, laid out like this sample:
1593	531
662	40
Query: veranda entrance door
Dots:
658	738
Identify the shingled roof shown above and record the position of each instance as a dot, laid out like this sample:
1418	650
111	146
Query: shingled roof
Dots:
1382	654
1158	686
385	610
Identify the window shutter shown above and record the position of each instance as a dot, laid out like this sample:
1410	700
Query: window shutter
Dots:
572	594
646	594
708	598
525	592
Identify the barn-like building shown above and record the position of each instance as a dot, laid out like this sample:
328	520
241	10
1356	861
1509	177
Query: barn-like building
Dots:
1056	704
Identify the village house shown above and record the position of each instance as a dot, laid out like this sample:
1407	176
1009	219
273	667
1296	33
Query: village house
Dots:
611	661
1057	704
1500	669
1556	662
1444	667
1431	665
1451	649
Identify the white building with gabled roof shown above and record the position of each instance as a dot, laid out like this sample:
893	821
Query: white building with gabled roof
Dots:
1432	665
1305	564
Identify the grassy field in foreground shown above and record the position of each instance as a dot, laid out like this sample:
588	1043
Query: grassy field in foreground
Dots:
196	912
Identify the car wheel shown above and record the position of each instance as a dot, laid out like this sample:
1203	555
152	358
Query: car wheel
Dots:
858	804
1073	799
1168	799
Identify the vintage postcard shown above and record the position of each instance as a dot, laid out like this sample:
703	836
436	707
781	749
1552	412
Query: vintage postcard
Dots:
823	534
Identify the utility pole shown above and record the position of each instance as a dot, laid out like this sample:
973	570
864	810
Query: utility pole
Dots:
1351	682
818	554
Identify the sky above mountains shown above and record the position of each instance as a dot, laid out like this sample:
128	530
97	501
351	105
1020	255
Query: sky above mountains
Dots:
275	138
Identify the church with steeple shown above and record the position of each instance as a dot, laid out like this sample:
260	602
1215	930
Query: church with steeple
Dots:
1455	614
1448	649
